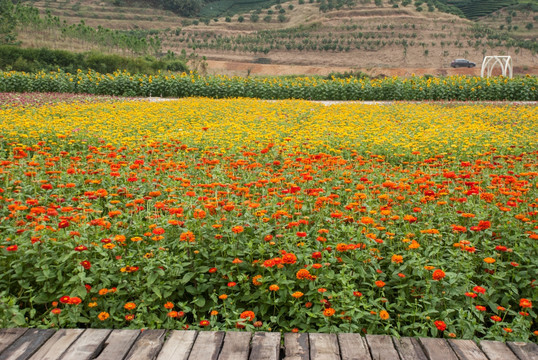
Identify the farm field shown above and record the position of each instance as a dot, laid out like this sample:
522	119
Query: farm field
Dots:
409	219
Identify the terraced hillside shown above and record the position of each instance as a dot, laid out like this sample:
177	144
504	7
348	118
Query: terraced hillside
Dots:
373	36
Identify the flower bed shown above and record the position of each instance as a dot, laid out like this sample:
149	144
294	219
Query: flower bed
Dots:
418	220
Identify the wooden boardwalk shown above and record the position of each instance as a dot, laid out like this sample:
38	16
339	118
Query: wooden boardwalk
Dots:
103	344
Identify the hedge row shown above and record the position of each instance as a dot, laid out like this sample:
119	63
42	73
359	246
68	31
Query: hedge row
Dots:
34	60
188	85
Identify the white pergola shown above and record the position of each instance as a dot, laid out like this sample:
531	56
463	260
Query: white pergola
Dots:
489	63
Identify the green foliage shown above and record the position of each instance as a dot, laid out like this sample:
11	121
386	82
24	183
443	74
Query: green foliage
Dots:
33	60
350	88
8	22
473	9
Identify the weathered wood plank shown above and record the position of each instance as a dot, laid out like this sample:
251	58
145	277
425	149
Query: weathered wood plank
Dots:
57	344
147	345
88	345
409	349
381	347
265	346
8	337
118	344
324	347
296	346
236	346
467	350
496	350
438	349
524	351
27	344
178	345
207	345
353	347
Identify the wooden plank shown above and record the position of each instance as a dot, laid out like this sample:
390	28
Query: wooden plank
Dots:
265	346
496	350
147	345
467	350
353	347
296	346
178	345
87	346
236	346
409	349
57	344
438	349
27	344
324	347
207	345
381	347
524	351
118	344
8	337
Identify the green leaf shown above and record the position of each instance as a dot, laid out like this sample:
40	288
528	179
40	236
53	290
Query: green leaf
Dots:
200	302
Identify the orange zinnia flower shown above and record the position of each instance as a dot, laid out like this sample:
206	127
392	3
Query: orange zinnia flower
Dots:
329	312
130	306
379	283
384	315
169	305
237	229
249	315
103	316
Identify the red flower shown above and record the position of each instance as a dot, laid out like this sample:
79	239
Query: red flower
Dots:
232	284
213	270
479	289
471	294
496	318
440	325
80	248
86	264
525	303
301	234
158	231
458	228
480	308
204	323
316	255
438	274
74	300
357	293
12	248
63	224
65	299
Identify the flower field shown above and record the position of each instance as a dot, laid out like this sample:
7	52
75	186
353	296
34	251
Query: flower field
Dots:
409	219
463	88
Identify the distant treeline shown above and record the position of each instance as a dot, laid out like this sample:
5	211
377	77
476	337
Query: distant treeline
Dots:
34	60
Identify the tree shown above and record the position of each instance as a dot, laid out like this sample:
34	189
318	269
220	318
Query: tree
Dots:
7	22
183	7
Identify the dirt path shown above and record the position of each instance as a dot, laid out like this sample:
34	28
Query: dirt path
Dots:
237	68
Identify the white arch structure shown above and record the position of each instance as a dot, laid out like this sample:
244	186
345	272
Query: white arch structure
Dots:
490	61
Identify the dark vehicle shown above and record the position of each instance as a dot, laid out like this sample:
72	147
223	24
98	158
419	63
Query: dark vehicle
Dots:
462	63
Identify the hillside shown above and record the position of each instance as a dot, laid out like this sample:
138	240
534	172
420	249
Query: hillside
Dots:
298	37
